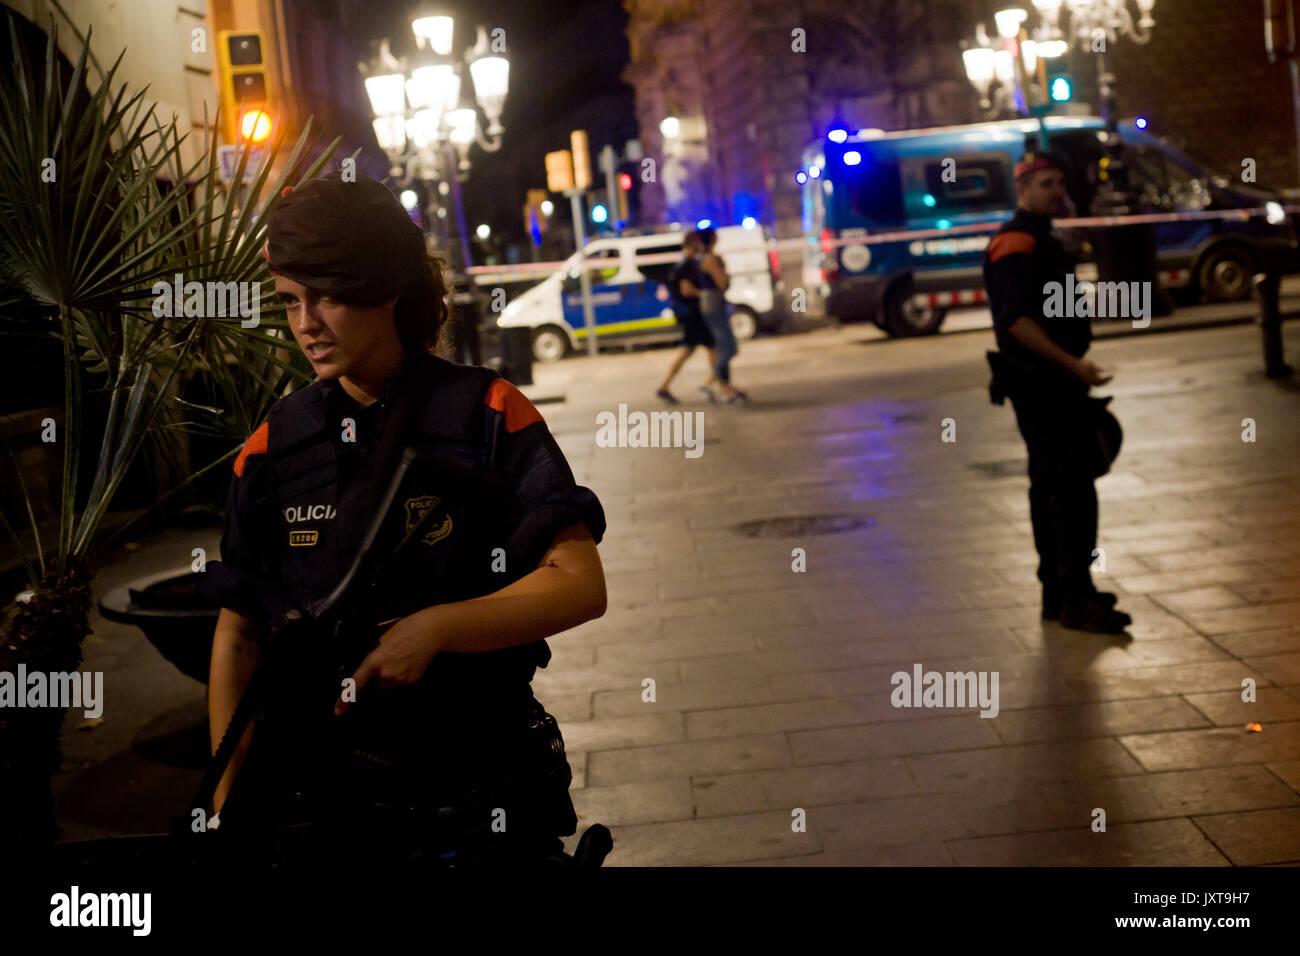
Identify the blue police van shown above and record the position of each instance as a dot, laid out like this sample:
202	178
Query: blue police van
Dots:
856	185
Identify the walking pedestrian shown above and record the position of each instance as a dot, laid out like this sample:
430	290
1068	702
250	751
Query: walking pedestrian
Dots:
1040	366
687	309
713	306
441	705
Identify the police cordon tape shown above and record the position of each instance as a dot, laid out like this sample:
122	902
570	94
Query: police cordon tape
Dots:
487	275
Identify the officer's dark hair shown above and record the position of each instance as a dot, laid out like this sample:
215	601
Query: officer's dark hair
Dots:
709	237
693	236
421	312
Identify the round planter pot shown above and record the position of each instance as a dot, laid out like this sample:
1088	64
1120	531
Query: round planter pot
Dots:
176	619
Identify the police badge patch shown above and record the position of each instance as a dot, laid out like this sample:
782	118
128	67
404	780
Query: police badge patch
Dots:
417	508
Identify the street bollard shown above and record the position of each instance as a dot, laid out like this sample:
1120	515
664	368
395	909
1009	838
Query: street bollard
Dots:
1267	288
517	355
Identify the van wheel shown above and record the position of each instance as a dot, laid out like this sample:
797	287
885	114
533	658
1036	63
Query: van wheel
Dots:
1225	274
744	323
550	344
904	318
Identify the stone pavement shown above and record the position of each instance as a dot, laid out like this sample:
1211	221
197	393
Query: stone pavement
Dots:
772	688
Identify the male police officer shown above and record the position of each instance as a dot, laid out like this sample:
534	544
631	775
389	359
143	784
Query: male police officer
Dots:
1040	365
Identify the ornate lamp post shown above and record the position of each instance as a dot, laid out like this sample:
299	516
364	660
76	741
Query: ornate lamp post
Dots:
1125	252
1093	25
425	120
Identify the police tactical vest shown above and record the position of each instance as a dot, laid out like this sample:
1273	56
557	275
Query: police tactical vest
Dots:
323	485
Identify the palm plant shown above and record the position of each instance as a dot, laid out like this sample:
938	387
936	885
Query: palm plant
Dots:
87	229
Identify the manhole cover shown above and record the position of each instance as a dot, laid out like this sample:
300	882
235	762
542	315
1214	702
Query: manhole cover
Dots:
803	525
1000	469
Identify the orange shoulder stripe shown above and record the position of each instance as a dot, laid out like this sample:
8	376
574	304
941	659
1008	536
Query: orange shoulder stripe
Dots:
256	445
513	404
1010	243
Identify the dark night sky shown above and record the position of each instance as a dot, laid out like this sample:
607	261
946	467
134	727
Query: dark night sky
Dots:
565	60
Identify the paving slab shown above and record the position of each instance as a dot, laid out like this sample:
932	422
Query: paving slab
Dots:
1216	747
1173	842
1102	719
1255	839
1155	796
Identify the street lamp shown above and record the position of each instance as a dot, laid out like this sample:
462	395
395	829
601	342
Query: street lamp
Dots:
989	60
979	70
424	118
1124	252
1008	22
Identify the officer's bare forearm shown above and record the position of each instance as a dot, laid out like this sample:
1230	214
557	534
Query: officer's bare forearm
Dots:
1032	336
566	590
235	653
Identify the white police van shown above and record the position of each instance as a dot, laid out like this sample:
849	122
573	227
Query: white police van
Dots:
630	297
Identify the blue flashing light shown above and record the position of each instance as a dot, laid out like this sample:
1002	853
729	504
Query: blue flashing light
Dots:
928	200
749	222
1141	122
852	158
1060	90
599	213
801	177
944	224
814	171
838	135
704	224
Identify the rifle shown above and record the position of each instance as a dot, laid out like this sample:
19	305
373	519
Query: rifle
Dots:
328	631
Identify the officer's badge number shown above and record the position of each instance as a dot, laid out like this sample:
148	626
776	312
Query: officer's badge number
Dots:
417	508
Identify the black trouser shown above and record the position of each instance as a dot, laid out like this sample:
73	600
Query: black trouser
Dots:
1057	424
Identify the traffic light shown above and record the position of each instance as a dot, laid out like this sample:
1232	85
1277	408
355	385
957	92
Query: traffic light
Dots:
624	187
245	86
581	159
599	213
559	171
1059	89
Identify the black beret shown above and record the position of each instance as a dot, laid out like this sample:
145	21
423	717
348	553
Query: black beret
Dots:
347	239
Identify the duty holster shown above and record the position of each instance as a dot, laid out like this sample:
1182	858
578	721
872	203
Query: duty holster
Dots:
1099	430
1005	379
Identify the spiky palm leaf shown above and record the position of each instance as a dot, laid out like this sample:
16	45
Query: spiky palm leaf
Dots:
87	232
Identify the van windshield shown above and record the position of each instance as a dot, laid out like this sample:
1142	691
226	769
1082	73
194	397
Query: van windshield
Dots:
866	196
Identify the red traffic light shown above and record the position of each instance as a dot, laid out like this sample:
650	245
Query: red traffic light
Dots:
624	181
255	124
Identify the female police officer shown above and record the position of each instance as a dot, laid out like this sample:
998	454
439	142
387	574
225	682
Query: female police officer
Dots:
507	558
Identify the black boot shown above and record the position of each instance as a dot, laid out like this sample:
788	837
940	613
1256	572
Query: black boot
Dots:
1094	616
1052	602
